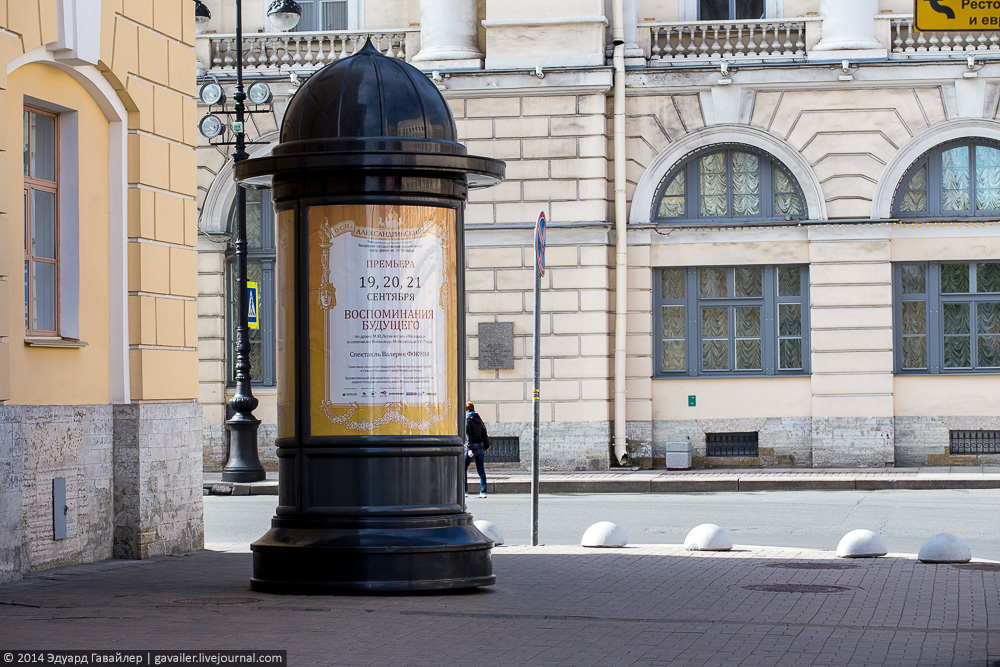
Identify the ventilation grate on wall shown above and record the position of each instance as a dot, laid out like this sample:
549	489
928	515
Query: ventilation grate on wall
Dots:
731	444
504	449
974	442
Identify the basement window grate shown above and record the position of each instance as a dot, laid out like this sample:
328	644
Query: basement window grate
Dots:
974	442
504	449
731	444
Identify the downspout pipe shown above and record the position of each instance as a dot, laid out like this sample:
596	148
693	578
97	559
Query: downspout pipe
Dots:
621	238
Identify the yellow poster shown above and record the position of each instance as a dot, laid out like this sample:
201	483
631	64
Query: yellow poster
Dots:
285	357
383	347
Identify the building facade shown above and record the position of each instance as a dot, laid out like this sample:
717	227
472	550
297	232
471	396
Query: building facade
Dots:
772	225
99	420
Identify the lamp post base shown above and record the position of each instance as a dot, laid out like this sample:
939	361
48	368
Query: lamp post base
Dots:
372	556
244	462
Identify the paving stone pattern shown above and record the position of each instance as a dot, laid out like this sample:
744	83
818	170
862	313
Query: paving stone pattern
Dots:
640	605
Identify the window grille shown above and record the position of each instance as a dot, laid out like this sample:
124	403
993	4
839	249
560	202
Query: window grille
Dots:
504	449
731	444
974	442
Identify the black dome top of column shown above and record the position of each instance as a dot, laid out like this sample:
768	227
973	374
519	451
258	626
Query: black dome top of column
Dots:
365	96
367	115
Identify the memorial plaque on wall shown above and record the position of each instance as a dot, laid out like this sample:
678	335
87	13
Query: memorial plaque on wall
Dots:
496	345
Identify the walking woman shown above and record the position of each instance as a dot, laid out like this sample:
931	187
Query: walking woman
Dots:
479	442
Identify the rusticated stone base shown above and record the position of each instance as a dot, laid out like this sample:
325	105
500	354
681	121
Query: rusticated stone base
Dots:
11	494
215	444
782	442
158	479
130	470
924	441
563	446
848	442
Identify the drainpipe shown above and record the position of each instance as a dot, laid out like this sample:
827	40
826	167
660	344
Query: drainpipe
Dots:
621	239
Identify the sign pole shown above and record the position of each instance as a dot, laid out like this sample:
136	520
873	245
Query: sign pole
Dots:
539	272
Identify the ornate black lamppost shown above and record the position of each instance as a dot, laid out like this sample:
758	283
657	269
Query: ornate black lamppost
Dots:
244	462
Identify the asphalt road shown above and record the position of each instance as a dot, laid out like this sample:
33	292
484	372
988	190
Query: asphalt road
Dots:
808	519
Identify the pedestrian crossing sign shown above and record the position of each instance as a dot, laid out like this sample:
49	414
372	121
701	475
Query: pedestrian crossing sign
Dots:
253	306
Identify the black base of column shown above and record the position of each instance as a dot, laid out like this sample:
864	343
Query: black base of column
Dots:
394	556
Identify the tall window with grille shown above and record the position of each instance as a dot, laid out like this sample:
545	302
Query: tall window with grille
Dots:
947	317
322	15
732	321
41	223
260	270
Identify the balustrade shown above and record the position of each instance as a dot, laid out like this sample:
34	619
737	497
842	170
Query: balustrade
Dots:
906	40
772	39
777	38
302	51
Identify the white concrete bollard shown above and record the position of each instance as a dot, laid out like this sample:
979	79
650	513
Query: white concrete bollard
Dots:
490	530
944	548
604	534
707	537
861	543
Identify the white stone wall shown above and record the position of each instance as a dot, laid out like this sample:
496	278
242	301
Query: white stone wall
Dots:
73	443
132	472
847	140
922	441
556	150
11	496
782	441
157	479
212	350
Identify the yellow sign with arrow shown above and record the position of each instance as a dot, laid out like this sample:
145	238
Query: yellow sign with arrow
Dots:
956	15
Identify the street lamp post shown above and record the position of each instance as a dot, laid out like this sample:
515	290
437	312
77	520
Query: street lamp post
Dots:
244	464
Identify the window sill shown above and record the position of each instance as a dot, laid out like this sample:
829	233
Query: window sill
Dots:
963	372
54	341
729	376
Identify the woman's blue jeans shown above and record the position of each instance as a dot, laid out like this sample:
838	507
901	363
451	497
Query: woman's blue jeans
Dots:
478	452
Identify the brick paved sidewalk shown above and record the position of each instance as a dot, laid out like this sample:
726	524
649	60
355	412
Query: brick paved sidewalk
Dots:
640	605
501	480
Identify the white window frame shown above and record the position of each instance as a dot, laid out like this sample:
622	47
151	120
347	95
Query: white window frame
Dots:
770	337
355	17
68	207
934	334
688	10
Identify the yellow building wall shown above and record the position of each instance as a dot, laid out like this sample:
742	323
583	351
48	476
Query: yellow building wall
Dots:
731	399
147	55
47	376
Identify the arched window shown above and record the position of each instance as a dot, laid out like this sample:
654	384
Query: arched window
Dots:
957	179
732	183
260	270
